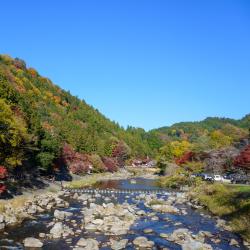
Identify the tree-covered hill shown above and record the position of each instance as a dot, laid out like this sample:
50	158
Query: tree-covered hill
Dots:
39	122
43	126
211	144
192	131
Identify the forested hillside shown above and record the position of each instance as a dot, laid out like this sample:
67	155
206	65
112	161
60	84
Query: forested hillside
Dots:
213	132
43	125
212	144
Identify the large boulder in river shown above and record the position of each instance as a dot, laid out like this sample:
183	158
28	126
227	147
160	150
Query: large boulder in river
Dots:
118	245
195	245
165	208
32	243
143	242
61	215
87	244
59	230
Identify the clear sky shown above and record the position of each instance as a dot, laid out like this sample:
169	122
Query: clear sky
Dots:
142	63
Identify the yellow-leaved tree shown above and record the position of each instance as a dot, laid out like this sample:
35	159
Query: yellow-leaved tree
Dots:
13	136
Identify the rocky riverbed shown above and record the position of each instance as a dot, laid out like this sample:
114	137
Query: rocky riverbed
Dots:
114	220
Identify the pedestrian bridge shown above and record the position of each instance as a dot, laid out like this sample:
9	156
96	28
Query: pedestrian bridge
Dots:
115	191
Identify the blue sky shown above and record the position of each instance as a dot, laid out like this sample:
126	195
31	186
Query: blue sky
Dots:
142	63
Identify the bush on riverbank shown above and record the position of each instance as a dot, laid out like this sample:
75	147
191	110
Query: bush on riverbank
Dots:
179	179
230	202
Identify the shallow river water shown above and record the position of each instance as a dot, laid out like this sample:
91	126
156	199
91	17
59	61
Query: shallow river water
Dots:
193	220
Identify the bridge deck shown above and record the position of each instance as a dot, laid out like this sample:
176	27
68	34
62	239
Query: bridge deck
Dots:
116	191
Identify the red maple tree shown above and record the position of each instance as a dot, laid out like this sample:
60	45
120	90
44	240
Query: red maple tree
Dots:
3	175
188	156
3	172
110	163
76	163
243	159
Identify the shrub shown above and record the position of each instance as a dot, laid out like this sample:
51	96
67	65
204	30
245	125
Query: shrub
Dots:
98	165
111	164
3	172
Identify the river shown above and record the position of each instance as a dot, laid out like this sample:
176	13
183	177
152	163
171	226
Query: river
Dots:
153	225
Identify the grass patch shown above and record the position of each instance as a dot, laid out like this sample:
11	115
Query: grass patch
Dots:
156	202
85	181
231	202
177	180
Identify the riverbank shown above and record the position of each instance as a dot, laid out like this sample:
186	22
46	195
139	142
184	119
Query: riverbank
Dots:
230	202
226	201
19	201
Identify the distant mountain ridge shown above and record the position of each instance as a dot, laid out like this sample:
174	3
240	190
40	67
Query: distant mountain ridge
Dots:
215	121
209	124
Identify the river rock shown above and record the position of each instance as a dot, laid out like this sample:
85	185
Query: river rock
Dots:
143	242
32	242
97	222
87	244
75	196
59	230
165	209
1	218
61	215
195	245
180	235
32	209
118	245
148	231
233	242
91	227
116	219
11	219
42	235
163	235
141	213
2	226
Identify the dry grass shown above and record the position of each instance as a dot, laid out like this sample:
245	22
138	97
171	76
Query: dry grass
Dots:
16	203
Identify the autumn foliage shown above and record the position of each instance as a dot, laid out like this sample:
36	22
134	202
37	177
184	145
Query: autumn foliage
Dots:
188	156
243	159
110	163
76	163
3	172
3	175
121	152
